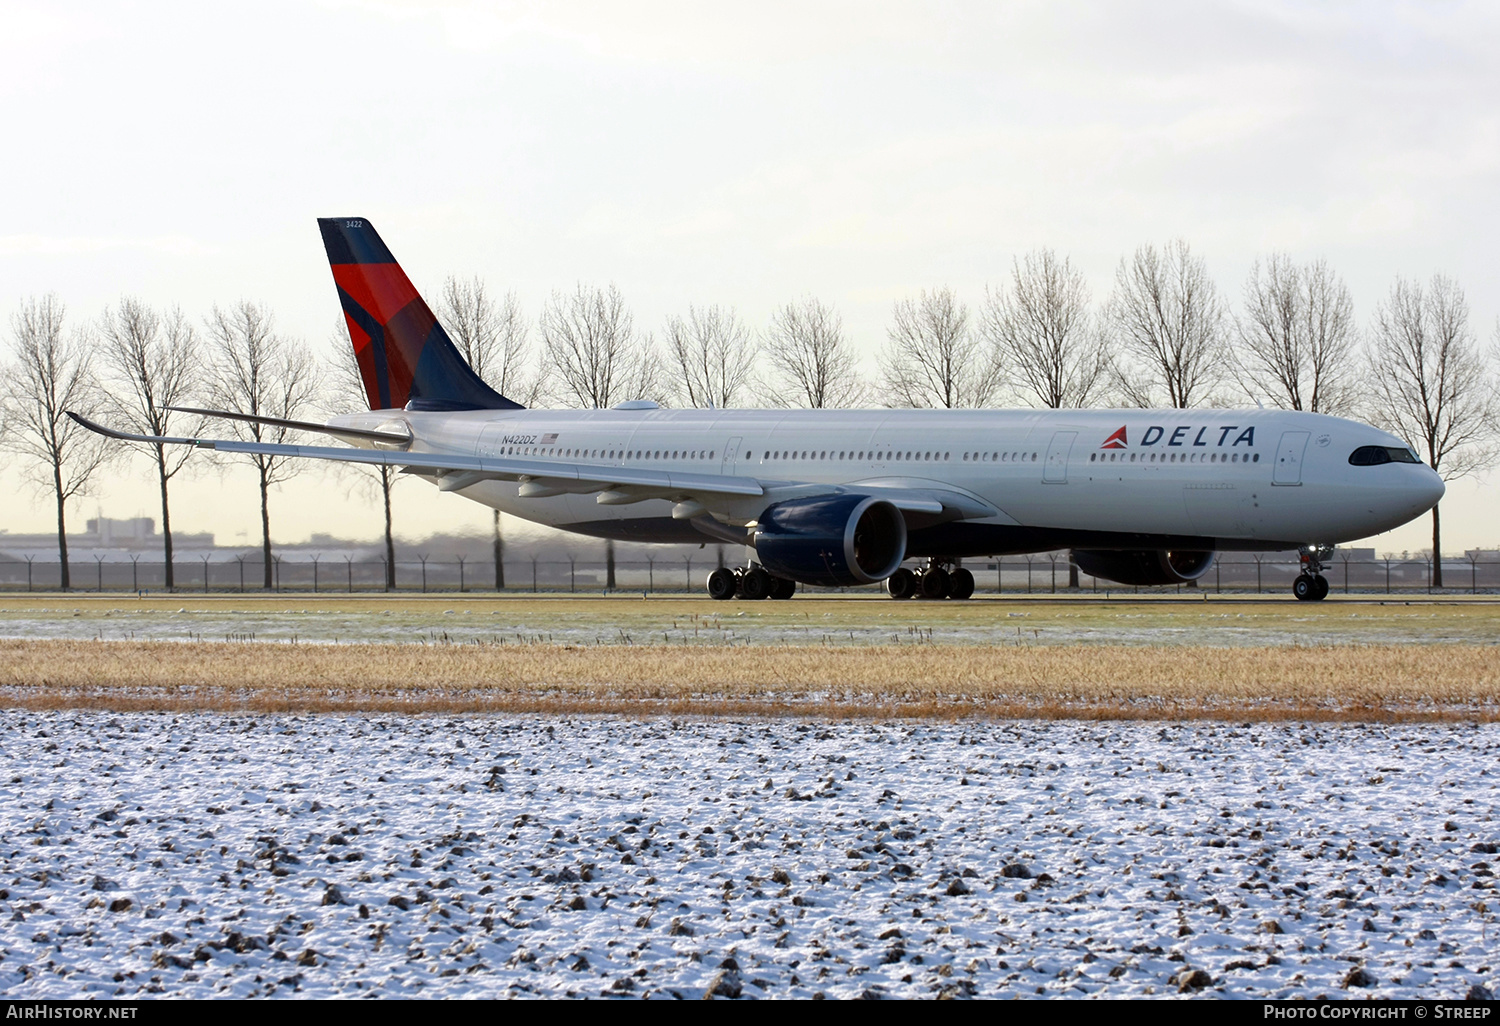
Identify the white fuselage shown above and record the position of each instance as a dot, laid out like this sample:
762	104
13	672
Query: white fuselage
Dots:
1244	479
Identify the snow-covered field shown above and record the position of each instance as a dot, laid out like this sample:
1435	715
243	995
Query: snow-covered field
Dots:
318	855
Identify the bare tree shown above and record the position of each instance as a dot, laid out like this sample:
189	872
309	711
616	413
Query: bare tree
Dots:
493	338
1168	325
812	363
52	376
1429	383
155	363
590	344
260	373
345	392
713	352
933	358
1297	337
1041	330
1041	333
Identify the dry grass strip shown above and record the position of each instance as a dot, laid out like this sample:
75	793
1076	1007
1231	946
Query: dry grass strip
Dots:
1385	682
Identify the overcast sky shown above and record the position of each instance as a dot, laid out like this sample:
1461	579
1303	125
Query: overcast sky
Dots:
694	154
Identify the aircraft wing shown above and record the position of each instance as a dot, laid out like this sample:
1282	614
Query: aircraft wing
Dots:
455	472
923	502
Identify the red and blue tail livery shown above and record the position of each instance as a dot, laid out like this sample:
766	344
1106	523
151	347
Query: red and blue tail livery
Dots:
405	357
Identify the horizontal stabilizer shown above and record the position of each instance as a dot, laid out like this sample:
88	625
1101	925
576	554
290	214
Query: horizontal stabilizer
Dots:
391	437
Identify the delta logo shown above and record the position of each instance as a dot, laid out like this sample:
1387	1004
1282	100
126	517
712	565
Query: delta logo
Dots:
1184	436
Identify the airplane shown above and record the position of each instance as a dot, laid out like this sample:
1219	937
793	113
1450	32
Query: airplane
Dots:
834	498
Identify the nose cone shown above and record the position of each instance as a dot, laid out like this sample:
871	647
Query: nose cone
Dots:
1429	492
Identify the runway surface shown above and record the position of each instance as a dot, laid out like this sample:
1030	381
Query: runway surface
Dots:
1205	619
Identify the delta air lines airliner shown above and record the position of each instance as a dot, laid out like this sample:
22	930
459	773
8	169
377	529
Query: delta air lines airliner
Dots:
847	497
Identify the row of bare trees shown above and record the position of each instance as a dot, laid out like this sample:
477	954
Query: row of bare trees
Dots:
137	368
1165	336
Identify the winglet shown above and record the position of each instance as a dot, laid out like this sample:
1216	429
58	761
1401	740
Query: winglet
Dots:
126	436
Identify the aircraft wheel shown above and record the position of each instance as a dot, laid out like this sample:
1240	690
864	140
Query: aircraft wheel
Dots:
722	584
961	583
755	584
1320	588
902	584
782	588
936	584
1304	588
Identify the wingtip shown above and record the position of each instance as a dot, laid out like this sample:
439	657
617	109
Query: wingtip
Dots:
126	436
85	422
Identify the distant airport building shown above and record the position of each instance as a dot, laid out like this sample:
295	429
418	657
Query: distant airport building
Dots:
107	538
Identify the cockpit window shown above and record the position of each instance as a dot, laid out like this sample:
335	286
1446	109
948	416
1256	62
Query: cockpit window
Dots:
1374	455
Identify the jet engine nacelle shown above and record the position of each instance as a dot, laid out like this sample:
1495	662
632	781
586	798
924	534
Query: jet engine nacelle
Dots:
1144	567
832	540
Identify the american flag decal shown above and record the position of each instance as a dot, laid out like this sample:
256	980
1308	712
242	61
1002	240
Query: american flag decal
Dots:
549	439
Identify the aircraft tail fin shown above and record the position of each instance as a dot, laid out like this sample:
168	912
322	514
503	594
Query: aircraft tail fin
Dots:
405	357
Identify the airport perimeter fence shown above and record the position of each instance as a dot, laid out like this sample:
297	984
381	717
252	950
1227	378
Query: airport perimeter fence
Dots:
1044	574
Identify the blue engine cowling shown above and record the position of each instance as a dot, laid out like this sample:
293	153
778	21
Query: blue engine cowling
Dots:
1144	567
832	540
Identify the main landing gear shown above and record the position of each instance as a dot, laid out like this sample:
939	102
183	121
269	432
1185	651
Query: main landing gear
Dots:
932	581
748	582
1311	585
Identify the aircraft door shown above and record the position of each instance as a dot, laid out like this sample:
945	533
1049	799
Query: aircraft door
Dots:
1055	471
731	453
1289	453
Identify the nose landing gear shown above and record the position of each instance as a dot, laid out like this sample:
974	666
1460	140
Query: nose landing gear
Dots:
748	582
1311	585
932	581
